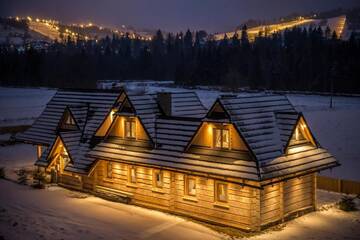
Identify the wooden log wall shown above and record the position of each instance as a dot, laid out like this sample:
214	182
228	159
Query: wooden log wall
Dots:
241	210
247	208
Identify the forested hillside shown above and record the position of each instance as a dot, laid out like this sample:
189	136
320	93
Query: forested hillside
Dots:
297	59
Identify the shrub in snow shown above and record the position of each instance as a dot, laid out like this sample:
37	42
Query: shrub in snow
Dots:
347	204
2	172
22	176
39	179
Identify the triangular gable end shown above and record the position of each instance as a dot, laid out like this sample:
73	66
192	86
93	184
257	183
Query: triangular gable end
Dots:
68	121
106	124
301	134
218	111
55	150
126	106
110	116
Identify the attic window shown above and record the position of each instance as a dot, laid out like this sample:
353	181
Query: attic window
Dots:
130	128
301	134
221	138
217	112
68	122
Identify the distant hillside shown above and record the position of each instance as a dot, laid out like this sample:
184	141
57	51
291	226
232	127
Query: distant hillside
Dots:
337	24
18	31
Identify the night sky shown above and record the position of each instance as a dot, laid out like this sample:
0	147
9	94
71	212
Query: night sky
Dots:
169	15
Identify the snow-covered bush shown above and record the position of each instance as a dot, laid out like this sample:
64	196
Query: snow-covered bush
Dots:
22	176
347	204
39	179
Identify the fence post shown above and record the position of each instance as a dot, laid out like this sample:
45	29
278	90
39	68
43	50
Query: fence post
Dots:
339	185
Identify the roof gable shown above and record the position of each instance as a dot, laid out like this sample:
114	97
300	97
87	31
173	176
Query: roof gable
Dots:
301	134
68	121
218	111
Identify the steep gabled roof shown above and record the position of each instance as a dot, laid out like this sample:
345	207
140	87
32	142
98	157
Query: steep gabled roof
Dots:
266	122
255	118
89	109
186	104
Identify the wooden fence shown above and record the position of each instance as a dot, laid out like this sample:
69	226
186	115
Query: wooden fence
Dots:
338	185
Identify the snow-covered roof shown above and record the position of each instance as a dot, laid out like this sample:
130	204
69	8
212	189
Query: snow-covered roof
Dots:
264	122
89	108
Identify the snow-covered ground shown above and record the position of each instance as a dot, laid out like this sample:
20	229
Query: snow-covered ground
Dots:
20	106
57	213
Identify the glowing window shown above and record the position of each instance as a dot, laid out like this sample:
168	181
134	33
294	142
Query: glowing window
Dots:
190	186
65	156
132	174
130	129
158	178
109	170
301	135
69	120
221	192
221	138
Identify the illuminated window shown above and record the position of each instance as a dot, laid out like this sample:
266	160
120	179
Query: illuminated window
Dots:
65	156
132	174
221	138
221	194
190	186
130	129
158	178
301	135
109	170
69	120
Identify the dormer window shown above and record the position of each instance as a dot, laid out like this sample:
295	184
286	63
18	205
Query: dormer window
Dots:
68	122
221	138
301	135
130	128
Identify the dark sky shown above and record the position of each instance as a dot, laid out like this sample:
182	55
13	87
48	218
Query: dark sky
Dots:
170	15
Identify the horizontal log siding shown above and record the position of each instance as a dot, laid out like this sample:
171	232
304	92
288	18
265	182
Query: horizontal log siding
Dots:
271	204
241	210
298	194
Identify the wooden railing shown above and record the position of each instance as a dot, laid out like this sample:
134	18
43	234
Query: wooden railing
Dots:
338	185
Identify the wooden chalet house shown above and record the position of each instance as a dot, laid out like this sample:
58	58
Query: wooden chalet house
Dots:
247	162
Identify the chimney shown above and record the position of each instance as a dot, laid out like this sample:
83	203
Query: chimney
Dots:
164	100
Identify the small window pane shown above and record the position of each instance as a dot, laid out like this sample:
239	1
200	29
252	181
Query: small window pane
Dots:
109	170
221	192
132	174
225	138
158	179
130	129
191	185
133	129
217	138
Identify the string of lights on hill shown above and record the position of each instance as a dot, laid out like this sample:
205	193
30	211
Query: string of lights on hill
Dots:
54	29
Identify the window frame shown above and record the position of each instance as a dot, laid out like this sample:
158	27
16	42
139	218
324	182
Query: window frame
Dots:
109	165
187	189
216	191
156	184
130	177
221	130
132	126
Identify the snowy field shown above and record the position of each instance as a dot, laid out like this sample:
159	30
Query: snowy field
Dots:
57	213
336	129
19	106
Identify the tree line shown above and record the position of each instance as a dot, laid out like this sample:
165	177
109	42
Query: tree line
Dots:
305	59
